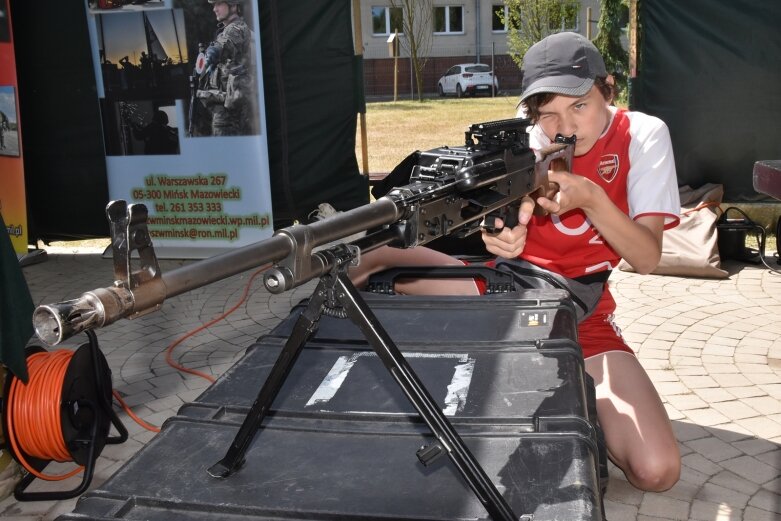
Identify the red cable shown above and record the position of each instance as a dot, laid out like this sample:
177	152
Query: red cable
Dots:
169	351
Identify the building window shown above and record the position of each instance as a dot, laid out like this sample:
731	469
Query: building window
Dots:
386	20
449	19
498	14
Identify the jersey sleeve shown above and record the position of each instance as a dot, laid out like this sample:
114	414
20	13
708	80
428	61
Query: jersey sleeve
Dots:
652	185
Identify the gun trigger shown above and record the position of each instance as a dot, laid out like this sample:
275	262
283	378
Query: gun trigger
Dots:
489	223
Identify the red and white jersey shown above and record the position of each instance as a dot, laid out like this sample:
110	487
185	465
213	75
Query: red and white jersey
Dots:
633	162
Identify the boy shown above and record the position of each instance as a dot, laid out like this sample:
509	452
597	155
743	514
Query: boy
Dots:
621	195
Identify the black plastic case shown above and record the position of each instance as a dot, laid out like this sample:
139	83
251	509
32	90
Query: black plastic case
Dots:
341	440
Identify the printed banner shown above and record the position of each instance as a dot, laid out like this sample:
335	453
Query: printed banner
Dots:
13	204
181	92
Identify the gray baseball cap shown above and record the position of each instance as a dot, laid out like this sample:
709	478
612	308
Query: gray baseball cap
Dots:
562	63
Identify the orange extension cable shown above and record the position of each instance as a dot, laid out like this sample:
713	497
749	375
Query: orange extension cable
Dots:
168	352
34	421
129	411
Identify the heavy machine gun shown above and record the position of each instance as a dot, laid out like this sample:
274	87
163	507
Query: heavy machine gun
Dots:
450	192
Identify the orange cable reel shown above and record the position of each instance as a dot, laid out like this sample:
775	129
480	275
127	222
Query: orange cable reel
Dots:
63	413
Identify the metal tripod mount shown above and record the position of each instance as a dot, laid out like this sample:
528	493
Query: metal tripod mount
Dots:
335	288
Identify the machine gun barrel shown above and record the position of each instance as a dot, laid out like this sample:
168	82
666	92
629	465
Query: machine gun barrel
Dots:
300	239
103	306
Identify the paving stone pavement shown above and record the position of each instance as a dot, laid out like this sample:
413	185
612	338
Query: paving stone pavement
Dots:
712	348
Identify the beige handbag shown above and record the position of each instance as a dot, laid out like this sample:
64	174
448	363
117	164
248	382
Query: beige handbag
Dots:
691	248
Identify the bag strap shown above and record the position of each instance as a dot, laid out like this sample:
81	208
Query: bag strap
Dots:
702	205
550	279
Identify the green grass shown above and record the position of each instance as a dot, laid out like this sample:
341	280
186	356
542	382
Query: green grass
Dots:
395	129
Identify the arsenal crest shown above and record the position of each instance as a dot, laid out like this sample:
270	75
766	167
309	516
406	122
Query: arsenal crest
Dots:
608	167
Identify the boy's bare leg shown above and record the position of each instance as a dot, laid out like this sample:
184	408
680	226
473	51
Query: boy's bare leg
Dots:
639	436
387	257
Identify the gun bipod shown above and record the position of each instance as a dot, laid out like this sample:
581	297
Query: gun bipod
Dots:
337	285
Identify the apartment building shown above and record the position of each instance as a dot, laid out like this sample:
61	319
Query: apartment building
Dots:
470	31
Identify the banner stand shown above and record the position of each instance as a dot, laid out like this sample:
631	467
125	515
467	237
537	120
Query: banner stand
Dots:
185	135
33	256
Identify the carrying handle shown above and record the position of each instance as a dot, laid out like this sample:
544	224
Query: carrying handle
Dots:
745	222
496	281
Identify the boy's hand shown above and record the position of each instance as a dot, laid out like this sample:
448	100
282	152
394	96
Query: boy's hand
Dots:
575	191
548	192
509	242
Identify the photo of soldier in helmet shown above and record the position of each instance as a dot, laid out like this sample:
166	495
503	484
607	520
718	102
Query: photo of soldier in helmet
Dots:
227	85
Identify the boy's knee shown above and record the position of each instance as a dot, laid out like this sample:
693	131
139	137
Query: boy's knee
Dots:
656	474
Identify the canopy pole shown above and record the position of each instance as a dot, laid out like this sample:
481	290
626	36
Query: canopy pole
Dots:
358	44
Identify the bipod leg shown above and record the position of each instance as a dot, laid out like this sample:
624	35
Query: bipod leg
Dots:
302	330
447	438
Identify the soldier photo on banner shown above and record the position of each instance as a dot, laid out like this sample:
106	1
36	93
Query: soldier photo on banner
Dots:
201	52
223	89
140	127
142	54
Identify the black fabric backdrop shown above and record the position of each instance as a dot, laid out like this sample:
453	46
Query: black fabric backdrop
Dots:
313	90
711	69
62	139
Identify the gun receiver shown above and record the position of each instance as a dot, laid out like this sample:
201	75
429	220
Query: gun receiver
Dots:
558	157
449	193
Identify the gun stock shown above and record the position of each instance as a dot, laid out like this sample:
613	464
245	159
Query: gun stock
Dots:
448	194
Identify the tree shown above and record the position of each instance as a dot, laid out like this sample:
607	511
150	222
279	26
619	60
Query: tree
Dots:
418	35
529	21
612	19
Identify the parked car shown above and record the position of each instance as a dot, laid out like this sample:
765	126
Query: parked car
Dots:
468	79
